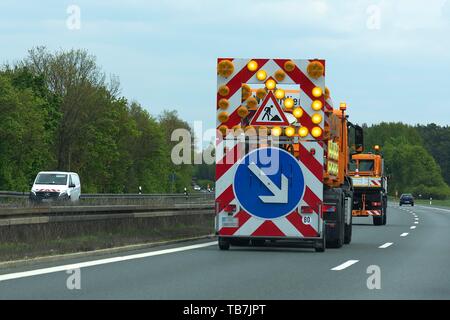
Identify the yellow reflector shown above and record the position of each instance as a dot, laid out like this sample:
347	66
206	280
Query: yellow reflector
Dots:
289	103
279	93
298	112
316	118
316	132
276	131
261	75
252	65
316	105
271	84
290	131
225	68
223	104
303	132
279	75
317	92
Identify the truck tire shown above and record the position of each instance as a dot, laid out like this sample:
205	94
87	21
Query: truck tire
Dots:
224	244
340	225
258	242
377	221
348	232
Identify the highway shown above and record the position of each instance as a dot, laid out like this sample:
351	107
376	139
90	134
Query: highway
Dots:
411	251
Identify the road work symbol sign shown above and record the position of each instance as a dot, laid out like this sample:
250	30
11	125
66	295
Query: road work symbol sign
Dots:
269	183
269	113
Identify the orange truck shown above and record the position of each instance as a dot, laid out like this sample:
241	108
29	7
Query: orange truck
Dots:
370	186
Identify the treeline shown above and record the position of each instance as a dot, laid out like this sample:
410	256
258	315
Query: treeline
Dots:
58	111
417	158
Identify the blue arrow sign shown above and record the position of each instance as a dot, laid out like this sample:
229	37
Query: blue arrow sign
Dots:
269	183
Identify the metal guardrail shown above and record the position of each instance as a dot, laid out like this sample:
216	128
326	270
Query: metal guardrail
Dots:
14	199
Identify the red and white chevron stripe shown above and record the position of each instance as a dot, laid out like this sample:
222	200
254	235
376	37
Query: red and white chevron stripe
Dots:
374	212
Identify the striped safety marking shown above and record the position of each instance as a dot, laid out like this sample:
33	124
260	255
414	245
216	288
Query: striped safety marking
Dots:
229	152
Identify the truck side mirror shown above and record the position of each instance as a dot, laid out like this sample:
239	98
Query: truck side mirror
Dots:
359	139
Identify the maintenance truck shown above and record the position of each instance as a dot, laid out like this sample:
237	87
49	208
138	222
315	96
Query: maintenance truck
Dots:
282	155
370	186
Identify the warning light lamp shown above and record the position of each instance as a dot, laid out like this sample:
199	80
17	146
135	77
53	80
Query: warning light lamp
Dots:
316	118
317	92
289	66
377	147
271	84
288	103
252	65
224	91
261	75
223	129
316	132
343	106
303	132
225	68
252	103
298	112
290	131
315	69
316	105
279	93
261	93
279	75
276	131
242	111
223	104
223	116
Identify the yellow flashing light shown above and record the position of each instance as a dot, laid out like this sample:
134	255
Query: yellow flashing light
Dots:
271	84
316	118
298	112
276	131
261	75
279	93
316	132
303	132
316	105
288	103
317	92
289	131
252	65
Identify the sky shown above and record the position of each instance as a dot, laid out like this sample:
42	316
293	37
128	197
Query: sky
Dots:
389	60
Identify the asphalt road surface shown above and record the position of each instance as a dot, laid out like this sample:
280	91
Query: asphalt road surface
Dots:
411	255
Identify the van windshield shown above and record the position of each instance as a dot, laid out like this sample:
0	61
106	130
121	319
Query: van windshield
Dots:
366	165
51	178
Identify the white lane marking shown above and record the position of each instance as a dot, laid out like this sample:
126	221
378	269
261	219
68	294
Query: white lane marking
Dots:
413	227
417	219
404	234
416	222
387	244
440	209
345	265
66	267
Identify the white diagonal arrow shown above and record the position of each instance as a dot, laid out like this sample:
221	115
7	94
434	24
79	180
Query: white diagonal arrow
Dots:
280	195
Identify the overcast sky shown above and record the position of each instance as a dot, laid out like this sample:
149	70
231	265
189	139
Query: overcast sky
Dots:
389	60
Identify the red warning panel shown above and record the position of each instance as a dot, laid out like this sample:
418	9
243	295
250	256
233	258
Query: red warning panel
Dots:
269	113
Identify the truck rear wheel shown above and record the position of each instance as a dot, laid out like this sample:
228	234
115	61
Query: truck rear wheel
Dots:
377	221
224	244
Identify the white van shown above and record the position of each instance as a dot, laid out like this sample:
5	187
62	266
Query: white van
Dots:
56	186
